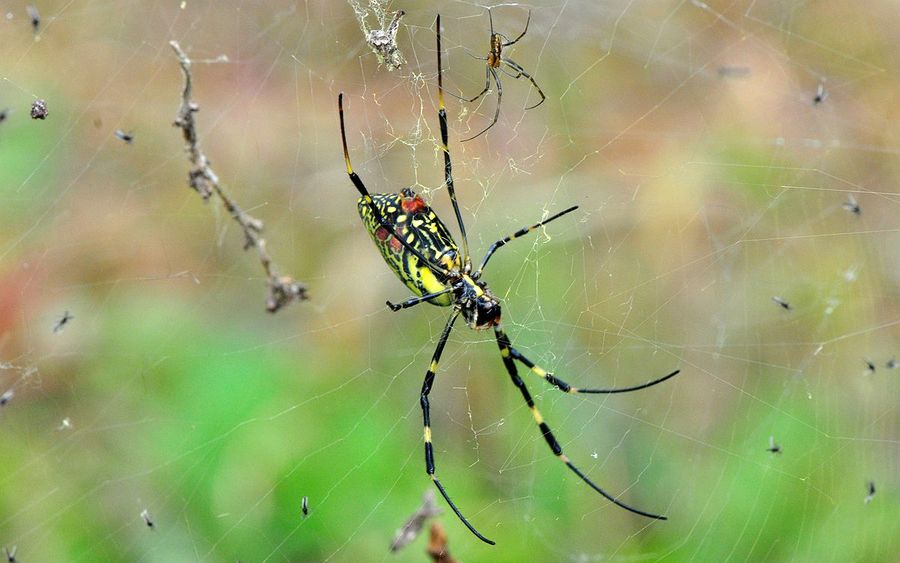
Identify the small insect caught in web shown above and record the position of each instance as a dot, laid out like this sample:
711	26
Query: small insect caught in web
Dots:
782	303
10	553
773	447
6	397
870	489
821	94
62	322
4	113
34	16
892	364
304	506
870	366
127	137
852	205
148	519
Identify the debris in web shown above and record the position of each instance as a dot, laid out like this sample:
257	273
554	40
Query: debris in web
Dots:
734	71
382	41
782	303
437	545
10	553
4	113
416	522
6	397
304	506
870	488
39	109
892	364
773	447
283	289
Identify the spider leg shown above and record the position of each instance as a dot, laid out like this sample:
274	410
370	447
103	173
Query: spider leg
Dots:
367	197
448	167
493	73
415	300
521	72
507	356
507	43
487	87
426	415
566	388
515	235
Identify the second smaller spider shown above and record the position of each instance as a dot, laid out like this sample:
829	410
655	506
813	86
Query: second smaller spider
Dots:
495	62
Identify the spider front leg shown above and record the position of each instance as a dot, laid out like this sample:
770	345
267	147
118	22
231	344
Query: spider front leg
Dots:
562	385
413	301
506	353
426	416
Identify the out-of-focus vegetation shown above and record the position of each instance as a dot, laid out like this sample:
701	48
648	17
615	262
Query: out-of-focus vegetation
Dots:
704	192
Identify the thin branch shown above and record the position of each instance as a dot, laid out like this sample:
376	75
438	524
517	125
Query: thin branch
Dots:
282	289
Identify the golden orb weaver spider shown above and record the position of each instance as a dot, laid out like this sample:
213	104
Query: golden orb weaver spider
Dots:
417	245
495	62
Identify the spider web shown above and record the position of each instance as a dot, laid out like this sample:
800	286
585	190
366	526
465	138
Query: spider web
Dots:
718	152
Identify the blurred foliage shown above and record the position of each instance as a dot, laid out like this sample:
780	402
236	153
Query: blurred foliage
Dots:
702	194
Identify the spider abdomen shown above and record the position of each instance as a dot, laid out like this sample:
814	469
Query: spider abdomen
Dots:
414	221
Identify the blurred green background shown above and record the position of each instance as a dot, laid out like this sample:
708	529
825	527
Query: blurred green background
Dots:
709	182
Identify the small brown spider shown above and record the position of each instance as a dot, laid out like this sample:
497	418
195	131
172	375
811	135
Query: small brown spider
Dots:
495	62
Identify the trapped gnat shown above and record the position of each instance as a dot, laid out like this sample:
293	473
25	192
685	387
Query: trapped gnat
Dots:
10	553
782	303
892	364
870	365
35	17
148	520
127	137
62	322
4	113
304	506
6	397
773	447
39	109
851	205
870	488
821	94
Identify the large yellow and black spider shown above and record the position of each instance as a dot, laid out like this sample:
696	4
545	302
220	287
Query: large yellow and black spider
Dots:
417	245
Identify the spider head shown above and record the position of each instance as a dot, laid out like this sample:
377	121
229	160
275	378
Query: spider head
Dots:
480	309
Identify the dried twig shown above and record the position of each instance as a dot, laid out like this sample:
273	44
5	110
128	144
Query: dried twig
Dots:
416	522
437	545
202	178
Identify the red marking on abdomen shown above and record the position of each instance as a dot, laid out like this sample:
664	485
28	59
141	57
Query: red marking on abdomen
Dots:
382	234
396	245
413	204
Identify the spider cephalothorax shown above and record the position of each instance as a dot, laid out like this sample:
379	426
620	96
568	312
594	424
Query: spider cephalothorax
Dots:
419	248
479	308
